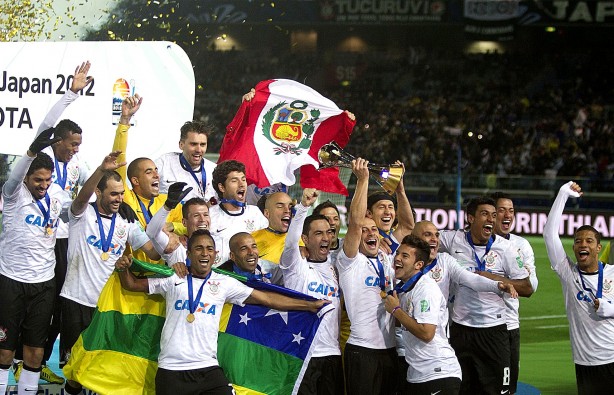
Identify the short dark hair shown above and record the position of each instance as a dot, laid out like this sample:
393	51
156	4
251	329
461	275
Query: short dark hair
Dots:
221	171
500	195
41	161
261	204
195	127
472	205
233	240
66	127
590	229
198	233
133	166
195	201
324	205
423	250
310	219
380	195
106	176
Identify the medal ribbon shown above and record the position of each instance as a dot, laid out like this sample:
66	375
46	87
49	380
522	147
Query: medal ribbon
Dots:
480	262
60	180
193	303
599	282
428	268
145	210
258	275
406	287
203	174
236	203
380	272
105	243
393	245
46	213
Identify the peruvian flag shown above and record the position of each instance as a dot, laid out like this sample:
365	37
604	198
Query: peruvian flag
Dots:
282	129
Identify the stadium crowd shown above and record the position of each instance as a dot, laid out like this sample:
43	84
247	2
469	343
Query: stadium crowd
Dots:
395	286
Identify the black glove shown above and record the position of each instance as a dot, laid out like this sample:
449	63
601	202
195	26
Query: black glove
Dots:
176	194
127	212
43	141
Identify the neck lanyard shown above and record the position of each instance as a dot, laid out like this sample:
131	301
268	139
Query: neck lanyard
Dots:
380	272
258	275
409	285
145	210
203	174
599	282
234	202
193	303
428	268
46	213
393	245
105	242
60	180
480	262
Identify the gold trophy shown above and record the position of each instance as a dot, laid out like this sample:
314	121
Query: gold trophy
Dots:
386	176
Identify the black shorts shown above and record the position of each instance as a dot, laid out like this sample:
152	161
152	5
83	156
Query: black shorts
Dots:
323	376
75	318
595	380
369	371
25	309
484	357
514	336
210	381
443	386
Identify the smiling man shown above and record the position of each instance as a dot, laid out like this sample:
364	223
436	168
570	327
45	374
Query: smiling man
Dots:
588	301
189	165
244	259
477	316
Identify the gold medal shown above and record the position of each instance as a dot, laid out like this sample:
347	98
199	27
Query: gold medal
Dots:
104	256
190	318
383	294
49	230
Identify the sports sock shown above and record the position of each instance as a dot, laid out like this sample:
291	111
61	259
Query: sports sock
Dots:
28	382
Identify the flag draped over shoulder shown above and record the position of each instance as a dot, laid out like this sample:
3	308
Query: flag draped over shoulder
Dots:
262	351
282	129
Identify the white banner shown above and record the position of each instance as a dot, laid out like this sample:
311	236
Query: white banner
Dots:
34	76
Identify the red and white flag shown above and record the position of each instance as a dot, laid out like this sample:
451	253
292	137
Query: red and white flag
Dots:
280	130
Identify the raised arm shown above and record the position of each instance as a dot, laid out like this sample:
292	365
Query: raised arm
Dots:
554	246
80	80
109	163
281	302
405	217
291	244
358	208
130	106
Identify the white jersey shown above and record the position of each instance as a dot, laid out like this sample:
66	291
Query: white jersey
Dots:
481	309
528	257
27	241
171	171
435	359
184	345
317	279
592	340
371	325
87	273
224	226
448	272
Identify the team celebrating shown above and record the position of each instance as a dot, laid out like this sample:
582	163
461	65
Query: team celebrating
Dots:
413	310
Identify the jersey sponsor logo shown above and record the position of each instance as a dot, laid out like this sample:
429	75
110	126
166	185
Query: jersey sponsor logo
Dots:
324	289
204	308
94	241
373	281
582	297
37	220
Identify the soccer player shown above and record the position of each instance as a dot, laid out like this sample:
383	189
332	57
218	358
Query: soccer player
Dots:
32	207
189	165
187	362
97	238
244	258
589	299
503	226
365	274
418	304
315	276
330	211
270	240
478	332
232	214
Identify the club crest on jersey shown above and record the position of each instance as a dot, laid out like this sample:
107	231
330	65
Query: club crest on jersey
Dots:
249	225
120	231
436	273
2	334
204	308
289	127
323	289
607	286
214	287
490	260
